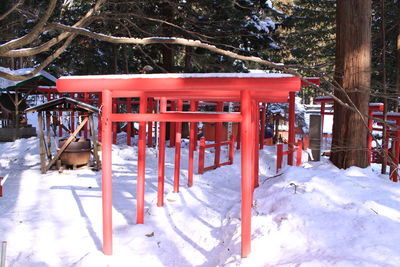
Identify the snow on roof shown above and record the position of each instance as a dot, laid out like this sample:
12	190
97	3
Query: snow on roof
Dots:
4	83
323	97
375	104
182	75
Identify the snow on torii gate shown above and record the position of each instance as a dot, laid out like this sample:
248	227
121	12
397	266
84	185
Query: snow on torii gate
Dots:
246	88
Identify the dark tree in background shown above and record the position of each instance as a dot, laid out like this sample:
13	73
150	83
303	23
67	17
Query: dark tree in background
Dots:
353	74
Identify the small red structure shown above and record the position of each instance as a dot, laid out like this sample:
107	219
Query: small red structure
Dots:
217	163
280	153
247	88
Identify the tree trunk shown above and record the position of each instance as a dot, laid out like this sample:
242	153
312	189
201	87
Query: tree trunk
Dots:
353	74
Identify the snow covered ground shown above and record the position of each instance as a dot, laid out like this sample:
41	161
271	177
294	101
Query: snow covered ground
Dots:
313	215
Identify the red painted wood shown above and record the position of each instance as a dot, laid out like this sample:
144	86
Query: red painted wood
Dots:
246	169
106	183
129	124
262	130
216	88
192	145
178	116
211	84
218	137
178	139
114	125
201	155
299	153
291	138
172	131
141	164
150	109
279	156
161	155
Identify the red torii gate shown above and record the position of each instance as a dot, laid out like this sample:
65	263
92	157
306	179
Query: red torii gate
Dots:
247	88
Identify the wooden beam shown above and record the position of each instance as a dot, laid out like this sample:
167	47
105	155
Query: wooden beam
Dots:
64	146
41	143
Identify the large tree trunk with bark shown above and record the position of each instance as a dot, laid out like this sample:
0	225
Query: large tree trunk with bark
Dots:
353	74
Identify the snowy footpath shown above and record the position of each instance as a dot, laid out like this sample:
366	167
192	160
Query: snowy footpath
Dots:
313	215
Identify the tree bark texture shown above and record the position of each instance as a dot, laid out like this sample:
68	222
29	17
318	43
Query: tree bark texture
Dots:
353	74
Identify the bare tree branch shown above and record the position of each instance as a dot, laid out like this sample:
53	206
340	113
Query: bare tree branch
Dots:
25	52
20	2
39	68
28	38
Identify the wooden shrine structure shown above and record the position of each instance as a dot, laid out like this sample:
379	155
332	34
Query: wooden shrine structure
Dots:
48	117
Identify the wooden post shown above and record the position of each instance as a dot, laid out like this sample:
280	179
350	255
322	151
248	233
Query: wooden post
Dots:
279	156
192	144
85	128
161	155
299	152
231	148
114	124
291	128
94	141
129	124
48	133
41	143
201	155
141	163
172	131
150	109
106	181
246	169
217	135
178	137
262	130
256	119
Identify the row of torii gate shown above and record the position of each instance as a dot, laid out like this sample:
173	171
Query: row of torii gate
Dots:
375	110
247	88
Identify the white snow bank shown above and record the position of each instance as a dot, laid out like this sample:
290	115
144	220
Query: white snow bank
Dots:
315	215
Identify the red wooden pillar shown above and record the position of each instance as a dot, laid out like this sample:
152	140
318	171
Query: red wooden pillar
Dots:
99	123
141	164
256	119
72	121
106	183
1	186
291	127
161	155
322	115
172	127
299	152
114	125
279	156
239	132
150	124
178	137
85	127
369	138
129	124
192	144
262	132
201	155
218	137
246	170
231	148
396	148
196	108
